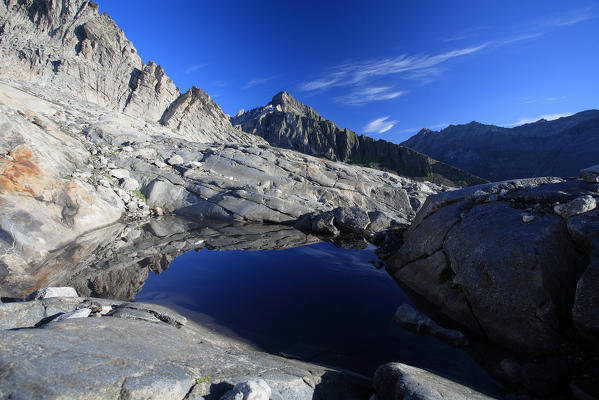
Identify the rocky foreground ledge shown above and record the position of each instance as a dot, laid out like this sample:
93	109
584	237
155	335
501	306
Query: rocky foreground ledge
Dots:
83	347
58	345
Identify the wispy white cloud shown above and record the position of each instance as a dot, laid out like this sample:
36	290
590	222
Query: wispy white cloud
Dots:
256	82
573	18
544	100
195	68
522	37
464	34
363	76
543	27
369	94
548	117
555	99
380	125
357	73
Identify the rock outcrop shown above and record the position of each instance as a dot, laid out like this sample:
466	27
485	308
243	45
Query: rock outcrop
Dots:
287	123
543	148
474	255
44	206
99	349
200	119
506	264
69	46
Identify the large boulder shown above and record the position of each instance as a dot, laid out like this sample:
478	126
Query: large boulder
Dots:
584	229
495	260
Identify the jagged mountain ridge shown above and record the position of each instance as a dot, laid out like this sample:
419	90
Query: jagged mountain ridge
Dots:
69	45
286	122
544	148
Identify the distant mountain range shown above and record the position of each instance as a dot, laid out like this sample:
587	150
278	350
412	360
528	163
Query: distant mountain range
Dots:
544	148
286	122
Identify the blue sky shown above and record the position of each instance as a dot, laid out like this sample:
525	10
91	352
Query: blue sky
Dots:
383	68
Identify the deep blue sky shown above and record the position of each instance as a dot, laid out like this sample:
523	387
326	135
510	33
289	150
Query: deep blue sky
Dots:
379	66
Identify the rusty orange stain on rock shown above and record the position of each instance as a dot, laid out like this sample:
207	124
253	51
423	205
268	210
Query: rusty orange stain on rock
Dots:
21	174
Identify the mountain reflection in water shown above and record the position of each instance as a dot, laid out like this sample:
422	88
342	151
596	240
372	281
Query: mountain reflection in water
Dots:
283	291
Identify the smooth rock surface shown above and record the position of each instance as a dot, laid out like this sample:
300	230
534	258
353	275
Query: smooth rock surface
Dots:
49	292
517	287
79	313
396	381
137	359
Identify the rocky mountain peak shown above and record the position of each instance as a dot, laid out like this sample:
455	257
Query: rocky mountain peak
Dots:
288	123
69	46
289	104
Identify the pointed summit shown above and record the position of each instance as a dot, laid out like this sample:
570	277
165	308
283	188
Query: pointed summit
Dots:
287	103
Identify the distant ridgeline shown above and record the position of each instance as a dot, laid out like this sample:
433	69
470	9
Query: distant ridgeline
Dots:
544	148
287	123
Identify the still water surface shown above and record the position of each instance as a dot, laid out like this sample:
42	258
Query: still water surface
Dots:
316	302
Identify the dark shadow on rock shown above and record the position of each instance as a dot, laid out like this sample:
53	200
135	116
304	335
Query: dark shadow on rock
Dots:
342	386
217	390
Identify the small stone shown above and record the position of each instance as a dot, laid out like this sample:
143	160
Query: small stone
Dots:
256	389
324	224
146	153
418	322
577	206
128	149
80	313
194	164
105	310
159	164
130	313
53	291
104	182
119	173
526	218
132	206
175	160
158	211
129	184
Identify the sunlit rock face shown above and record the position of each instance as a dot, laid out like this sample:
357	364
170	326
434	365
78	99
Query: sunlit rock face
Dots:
286	122
70	46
